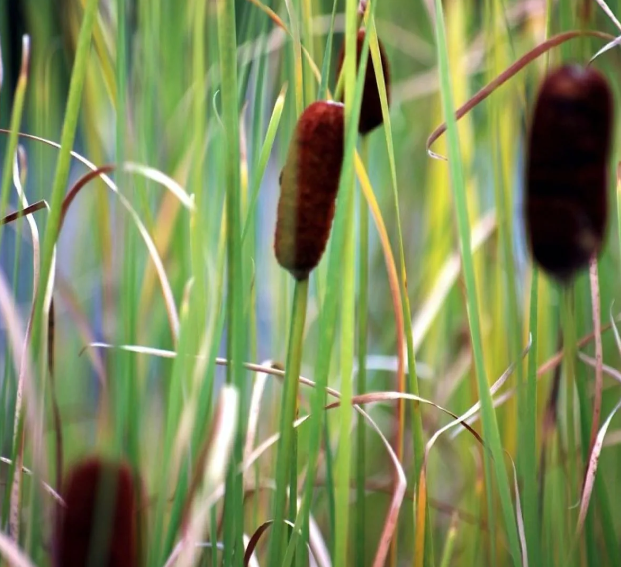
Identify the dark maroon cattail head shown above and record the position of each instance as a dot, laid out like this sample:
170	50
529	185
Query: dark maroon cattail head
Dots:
371	107
567	170
308	186
100	518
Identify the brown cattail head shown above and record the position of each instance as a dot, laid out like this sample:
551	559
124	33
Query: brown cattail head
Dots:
100	517
371	106
308	186
567	170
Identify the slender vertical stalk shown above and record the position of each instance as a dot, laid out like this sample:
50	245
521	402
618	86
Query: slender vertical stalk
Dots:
569	359
13	495
449	544
336	287
293	480
16	120
343	458
491	432
597	330
363	294
125	387
67	138
236	334
289	405
412	377
531	505
347	311
61	176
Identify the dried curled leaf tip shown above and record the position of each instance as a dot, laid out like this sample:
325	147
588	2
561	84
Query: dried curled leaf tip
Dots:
567	173
100	517
309	183
371	107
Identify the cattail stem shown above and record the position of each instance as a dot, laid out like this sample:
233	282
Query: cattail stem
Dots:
347	347
597	330
289	405
293	487
532	517
569	355
363	294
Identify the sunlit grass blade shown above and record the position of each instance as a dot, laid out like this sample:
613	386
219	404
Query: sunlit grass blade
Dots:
409	344
261	163
328	314
490	425
236	335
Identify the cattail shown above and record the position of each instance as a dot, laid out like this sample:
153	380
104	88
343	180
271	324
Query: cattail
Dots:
308	186
567	170
100	517
371	106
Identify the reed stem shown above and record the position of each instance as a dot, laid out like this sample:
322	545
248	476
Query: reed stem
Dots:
363	295
289	406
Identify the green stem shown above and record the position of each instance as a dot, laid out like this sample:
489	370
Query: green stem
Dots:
529	436
363	295
343	459
16	119
61	176
347	302
289	403
293	487
569	359
449	545
236	325
412	377
491	433
336	288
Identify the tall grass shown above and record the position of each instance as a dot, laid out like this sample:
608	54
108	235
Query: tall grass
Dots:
172	318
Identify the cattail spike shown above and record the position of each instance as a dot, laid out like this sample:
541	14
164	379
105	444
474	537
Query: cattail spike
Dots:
567	170
309	183
371	106
100	516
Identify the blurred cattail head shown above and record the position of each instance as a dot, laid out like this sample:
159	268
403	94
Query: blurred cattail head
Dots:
308	186
371	106
567	170
99	519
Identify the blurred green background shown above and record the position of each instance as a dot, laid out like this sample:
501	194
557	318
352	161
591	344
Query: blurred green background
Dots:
156	96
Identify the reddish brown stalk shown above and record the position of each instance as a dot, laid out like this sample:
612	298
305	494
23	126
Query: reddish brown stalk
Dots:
371	106
79	185
509	72
309	183
567	170
24	212
99	518
58	429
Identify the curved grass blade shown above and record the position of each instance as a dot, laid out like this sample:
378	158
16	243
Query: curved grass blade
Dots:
417	437
18	431
512	70
171	309
29	210
589	479
490	424
261	165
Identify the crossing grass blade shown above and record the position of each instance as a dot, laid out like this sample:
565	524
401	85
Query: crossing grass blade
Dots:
489	419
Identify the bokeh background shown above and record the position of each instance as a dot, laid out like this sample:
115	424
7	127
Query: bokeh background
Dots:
142	103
